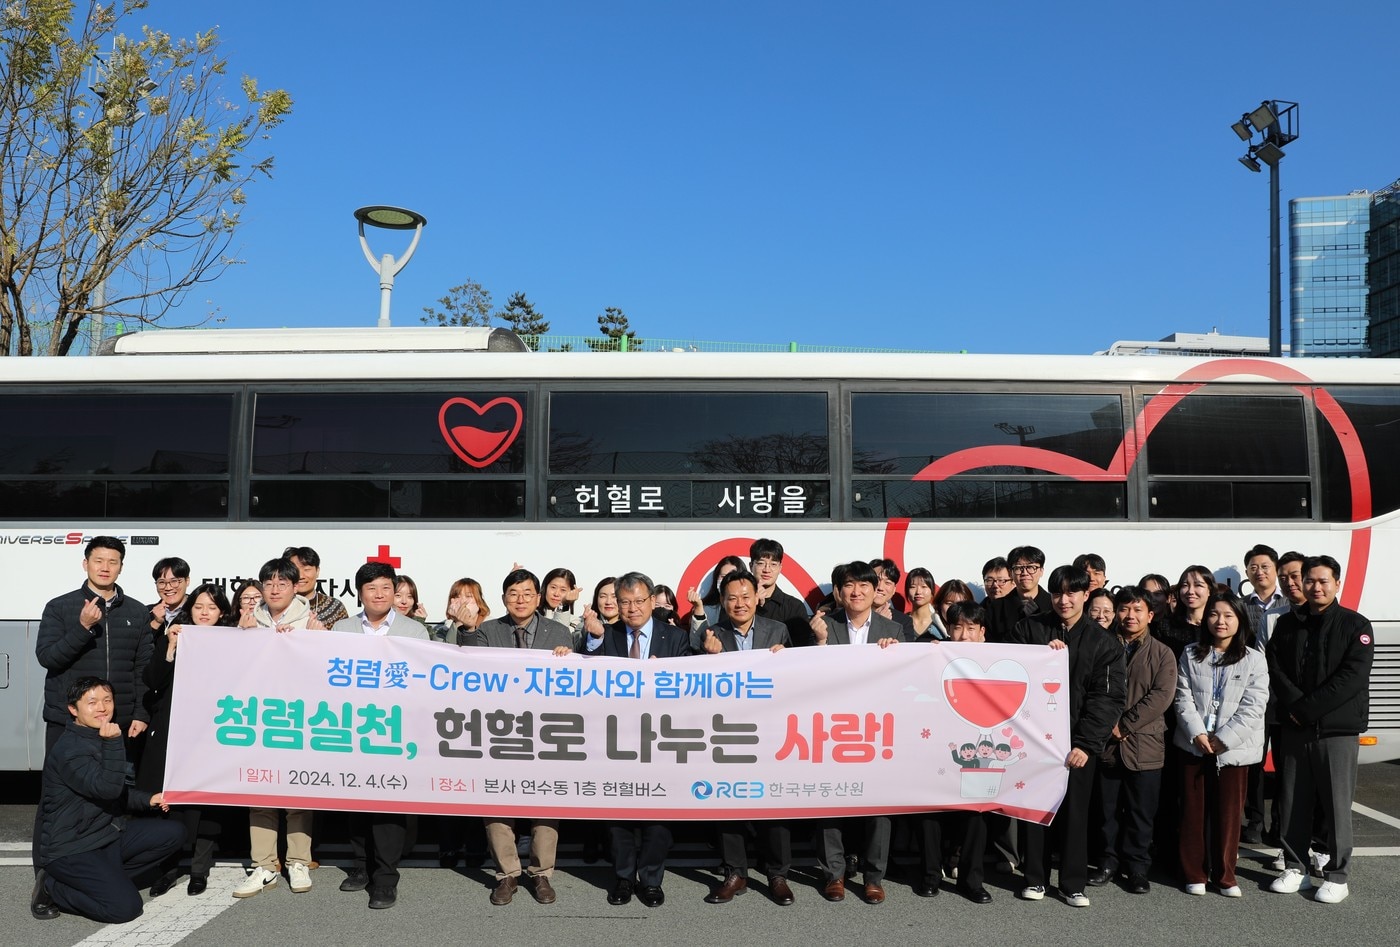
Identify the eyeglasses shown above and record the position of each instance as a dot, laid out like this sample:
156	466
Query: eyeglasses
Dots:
1025	570
521	596
634	602
996	582
169	583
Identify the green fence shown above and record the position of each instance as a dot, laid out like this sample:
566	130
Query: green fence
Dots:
593	343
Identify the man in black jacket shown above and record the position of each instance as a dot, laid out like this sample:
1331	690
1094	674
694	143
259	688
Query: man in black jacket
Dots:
1027	598
1320	673
1097	692
89	853
95	631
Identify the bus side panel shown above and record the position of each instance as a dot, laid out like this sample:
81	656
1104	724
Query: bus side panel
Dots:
21	698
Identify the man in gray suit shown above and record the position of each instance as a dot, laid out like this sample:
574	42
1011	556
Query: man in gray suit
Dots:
741	629
522	627
377	834
856	623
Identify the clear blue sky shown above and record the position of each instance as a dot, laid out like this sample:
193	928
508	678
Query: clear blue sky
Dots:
1017	177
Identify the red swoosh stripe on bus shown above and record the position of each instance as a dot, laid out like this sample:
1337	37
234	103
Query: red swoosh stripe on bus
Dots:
1015	455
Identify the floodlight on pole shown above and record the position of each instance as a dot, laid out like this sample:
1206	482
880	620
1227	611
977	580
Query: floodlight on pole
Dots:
388	218
1276	122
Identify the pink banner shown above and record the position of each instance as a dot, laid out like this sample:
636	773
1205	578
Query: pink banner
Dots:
319	720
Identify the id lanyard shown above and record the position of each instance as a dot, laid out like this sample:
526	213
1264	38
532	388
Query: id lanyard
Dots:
1220	674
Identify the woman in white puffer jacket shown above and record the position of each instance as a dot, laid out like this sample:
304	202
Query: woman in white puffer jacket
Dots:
1222	689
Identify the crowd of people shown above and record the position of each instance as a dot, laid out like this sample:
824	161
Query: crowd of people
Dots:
1175	692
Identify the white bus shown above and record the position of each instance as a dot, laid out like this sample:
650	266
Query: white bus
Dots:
457	452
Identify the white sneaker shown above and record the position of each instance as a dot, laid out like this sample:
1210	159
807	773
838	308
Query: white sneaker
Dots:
1319	860
1077	900
299	877
1231	892
259	879
1033	893
1331	892
1197	890
1292	880
1279	863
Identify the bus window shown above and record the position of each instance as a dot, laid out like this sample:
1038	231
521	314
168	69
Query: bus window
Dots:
993	455
689	455
391	455
1218	456
1374	413
115	455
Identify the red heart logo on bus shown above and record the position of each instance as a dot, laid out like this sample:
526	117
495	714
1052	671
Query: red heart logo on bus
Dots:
480	434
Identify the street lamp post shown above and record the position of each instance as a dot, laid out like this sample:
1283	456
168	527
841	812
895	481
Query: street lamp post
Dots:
1276	122
388	218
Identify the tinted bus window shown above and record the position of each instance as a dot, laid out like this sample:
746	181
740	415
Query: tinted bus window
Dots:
114	434
115	455
1374	413
902	433
688	433
1214	456
999	455
390	433
396	455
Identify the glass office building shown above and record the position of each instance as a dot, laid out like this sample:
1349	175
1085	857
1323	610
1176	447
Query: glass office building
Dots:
1327	248
1383	248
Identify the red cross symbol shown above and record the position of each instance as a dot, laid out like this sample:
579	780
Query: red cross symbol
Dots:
384	557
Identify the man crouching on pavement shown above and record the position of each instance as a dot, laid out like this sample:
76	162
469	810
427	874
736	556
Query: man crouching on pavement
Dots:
89	852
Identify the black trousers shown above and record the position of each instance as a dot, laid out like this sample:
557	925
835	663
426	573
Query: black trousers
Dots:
1070	829
931	828
639	851
834	844
100	884
377	844
1129	809
776	838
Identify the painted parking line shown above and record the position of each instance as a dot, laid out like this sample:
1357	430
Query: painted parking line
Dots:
171	919
1376	814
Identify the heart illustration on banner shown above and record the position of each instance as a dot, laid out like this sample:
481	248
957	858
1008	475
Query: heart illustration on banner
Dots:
1006	731
1017	743
480	434
985	698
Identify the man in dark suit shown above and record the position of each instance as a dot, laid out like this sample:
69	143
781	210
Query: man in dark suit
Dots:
886	585
766	564
522	626
741	629
638	850
855	623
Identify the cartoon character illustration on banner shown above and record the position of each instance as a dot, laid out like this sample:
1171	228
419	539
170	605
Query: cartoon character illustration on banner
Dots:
985	698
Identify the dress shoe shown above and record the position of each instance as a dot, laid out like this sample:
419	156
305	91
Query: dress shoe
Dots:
651	895
356	879
165	882
926	888
1138	884
505	890
40	901
447	858
977	895
542	889
381	898
779	891
734	884
1101	877
835	890
874	894
198	885
621	892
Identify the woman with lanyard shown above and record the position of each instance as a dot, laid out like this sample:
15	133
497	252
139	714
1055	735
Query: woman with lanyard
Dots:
1221	691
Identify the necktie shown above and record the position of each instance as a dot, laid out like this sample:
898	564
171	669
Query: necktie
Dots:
636	651
519	637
